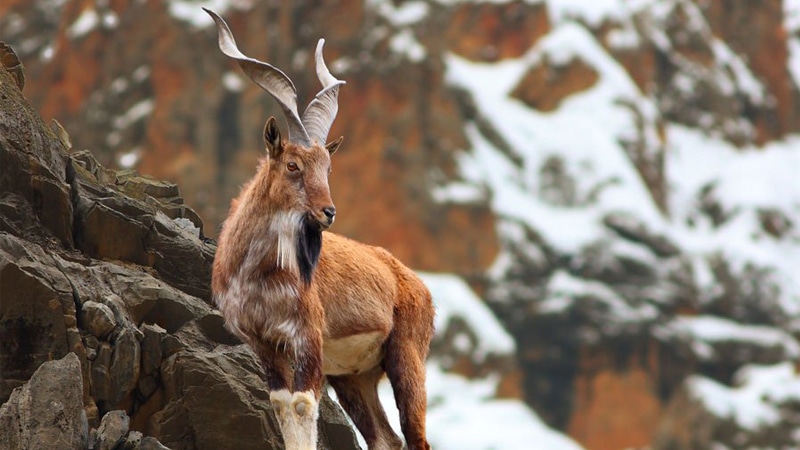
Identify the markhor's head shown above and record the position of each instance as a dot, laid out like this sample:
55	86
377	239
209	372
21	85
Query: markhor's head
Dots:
299	165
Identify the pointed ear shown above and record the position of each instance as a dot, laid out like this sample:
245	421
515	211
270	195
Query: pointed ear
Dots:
332	146
272	138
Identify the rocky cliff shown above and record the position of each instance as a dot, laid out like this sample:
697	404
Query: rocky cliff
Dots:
615	178
104	314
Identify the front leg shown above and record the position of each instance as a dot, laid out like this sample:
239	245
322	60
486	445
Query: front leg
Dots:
293	369
306	389
276	364
293	373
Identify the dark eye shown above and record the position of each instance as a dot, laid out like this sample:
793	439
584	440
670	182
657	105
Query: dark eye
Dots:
292	166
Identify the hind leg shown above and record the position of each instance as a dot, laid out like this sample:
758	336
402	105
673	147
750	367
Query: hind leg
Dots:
358	395
406	371
404	361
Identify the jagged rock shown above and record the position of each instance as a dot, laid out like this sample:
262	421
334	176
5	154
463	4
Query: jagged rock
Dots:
113	428
47	412
775	222
91	344
748	293
28	146
124	368
182	259
12	63
632	229
197	383
133	441
147	385
101	378
151	348
30	308
98	319
151	443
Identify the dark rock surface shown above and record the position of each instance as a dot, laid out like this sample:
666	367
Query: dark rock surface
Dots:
47	412
109	273
112	431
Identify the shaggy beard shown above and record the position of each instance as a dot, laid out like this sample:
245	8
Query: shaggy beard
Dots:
309	246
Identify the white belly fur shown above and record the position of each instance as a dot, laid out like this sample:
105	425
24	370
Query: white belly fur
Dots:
352	354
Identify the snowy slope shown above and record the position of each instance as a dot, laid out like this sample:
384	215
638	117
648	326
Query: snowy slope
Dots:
586	132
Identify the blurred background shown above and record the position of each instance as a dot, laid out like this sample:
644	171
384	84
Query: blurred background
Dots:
603	196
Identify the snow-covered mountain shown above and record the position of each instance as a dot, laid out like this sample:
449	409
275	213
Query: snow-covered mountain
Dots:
603	194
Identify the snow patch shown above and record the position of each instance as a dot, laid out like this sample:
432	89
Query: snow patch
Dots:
744	181
110	20
191	11
590	148
406	44
593	12
129	160
140	74
624	38
232	82
712	329
791	15
136	112
754	403
742	76
84	24
119	85
454	298
47	53
563	289
794	59
408	13
462	193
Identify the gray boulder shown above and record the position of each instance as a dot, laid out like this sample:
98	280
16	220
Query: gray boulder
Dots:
47	411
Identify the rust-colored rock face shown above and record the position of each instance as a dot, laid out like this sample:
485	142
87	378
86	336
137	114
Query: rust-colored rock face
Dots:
614	407
546	85
380	178
492	32
756	31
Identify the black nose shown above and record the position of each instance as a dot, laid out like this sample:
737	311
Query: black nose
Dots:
329	211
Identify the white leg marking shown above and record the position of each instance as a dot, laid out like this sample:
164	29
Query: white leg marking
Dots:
297	415
306	409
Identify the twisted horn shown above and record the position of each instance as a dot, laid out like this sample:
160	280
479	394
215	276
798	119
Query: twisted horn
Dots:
268	77
318	116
